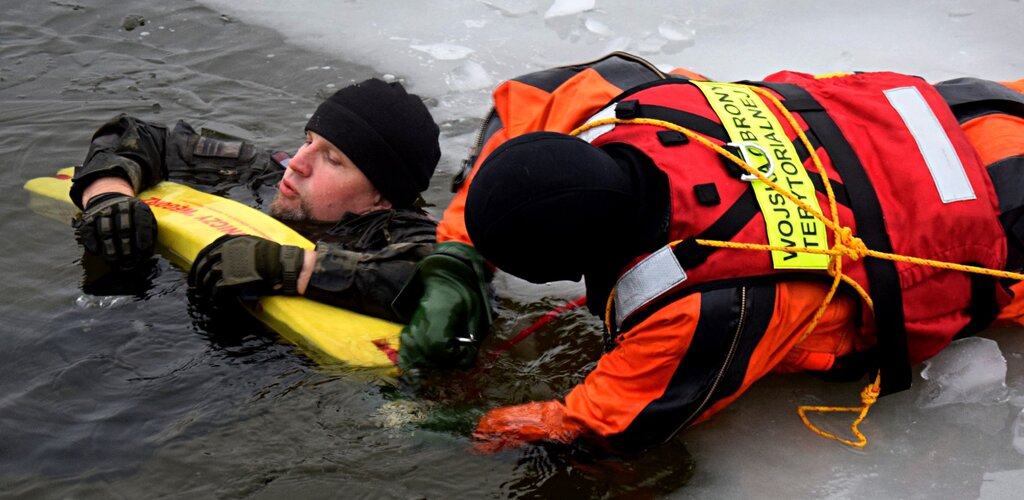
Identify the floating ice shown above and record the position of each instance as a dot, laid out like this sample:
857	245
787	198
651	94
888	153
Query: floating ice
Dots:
510	8
597	27
444	51
469	75
675	32
971	370
568	8
86	301
651	45
622	43
1018	433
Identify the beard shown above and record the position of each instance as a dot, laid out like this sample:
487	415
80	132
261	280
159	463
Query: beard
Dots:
281	209
296	216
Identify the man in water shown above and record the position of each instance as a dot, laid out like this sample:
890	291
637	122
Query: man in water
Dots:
369	150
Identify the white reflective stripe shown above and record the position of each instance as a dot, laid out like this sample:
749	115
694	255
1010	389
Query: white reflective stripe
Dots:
594	133
658	273
942	160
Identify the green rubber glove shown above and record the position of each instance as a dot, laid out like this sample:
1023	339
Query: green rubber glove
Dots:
450	309
247	267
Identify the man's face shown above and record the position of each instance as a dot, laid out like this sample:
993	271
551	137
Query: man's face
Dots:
322	184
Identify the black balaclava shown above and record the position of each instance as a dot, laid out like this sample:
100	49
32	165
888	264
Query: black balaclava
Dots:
548	207
388	133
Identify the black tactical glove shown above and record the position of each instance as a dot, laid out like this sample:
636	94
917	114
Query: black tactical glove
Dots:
118	227
246	267
452	315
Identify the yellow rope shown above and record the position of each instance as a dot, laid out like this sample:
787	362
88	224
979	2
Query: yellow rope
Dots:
845	244
868	396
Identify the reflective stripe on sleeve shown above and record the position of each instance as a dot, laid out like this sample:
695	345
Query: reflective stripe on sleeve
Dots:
651	277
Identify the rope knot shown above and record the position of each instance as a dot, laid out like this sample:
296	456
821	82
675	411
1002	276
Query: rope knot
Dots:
870	394
851	246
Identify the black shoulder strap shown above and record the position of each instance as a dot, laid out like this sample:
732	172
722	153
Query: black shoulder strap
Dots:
973	97
883	279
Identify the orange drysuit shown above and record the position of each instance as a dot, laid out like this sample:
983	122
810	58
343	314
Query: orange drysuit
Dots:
691	353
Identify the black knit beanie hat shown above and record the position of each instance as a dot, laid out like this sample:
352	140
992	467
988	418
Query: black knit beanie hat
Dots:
548	207
388	133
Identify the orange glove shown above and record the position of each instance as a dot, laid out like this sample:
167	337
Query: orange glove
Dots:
513	426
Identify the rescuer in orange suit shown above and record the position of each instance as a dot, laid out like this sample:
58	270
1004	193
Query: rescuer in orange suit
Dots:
698	214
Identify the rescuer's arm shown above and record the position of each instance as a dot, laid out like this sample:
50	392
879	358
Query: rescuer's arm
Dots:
608	402
669	371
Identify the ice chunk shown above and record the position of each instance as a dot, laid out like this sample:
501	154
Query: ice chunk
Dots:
622	43
651	45
511	8
469	75
568	8
971	370
675	32
1018	433
597	27
444	51
87	301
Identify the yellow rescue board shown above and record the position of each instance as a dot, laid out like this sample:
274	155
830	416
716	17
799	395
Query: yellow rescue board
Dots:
189	220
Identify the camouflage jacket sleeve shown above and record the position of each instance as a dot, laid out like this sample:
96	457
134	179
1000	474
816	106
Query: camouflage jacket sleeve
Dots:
367	259
144	154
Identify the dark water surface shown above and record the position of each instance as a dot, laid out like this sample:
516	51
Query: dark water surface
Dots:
141	396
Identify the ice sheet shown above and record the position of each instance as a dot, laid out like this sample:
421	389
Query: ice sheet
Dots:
433	44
